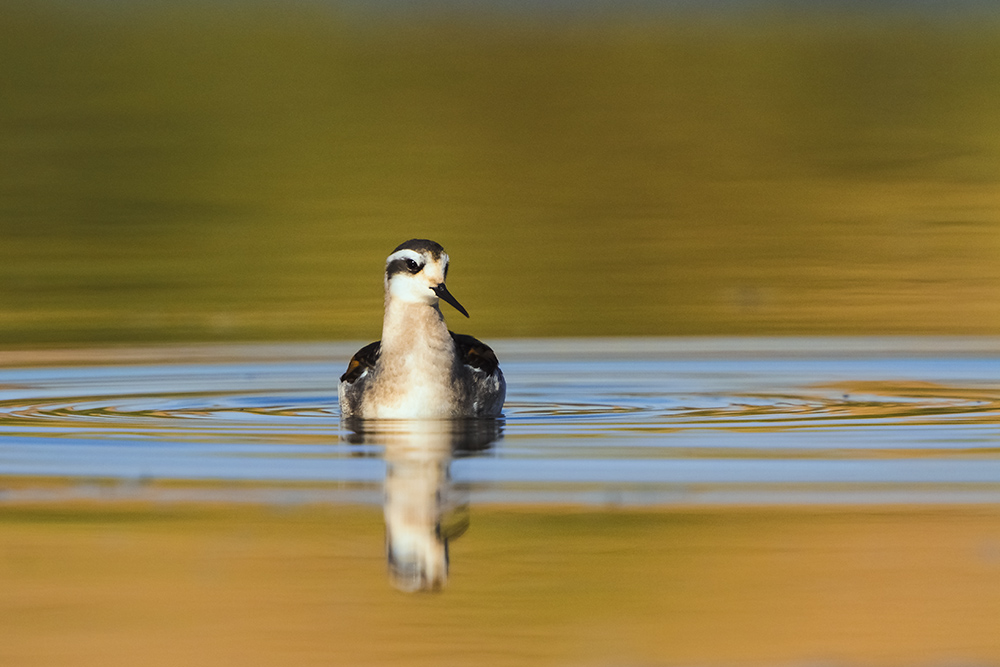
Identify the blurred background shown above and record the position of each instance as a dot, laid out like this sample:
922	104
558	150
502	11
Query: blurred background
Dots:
222	170
237	170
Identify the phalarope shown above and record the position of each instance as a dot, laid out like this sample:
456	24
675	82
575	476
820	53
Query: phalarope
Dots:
420	369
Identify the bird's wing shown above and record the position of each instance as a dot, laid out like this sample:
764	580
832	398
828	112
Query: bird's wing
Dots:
363	360
475	353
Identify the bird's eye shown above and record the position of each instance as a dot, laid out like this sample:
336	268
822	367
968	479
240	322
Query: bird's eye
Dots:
412	266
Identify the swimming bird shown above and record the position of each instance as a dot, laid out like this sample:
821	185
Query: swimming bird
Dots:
420	369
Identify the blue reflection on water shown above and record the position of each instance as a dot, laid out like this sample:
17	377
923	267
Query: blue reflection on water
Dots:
630	421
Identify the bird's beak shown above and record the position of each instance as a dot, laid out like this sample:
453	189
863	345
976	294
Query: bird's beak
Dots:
443	294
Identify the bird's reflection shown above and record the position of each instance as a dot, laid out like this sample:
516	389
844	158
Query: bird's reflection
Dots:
423	509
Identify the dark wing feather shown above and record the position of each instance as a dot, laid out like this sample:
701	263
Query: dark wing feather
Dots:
475	353
363	360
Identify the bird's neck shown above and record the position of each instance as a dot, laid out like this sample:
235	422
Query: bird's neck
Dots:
414	330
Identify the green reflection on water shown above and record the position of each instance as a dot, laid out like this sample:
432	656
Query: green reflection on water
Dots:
241	173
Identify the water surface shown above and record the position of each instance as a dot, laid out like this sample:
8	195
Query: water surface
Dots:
804	499
194	173
635	421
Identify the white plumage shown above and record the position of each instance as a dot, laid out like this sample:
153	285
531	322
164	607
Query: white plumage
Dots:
421	370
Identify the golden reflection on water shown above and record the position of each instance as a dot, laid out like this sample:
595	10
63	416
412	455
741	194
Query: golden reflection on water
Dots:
191	174
118	584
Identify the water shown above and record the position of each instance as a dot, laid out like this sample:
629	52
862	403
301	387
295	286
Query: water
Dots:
193	173
640	496
644	421
208	172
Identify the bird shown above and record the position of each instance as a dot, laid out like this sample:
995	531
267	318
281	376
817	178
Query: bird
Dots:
420	369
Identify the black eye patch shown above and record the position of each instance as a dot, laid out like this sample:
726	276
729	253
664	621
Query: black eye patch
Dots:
403	265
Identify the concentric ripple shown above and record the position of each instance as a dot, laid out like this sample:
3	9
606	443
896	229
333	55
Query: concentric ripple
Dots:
177	416
236	412
857	403
643	417
146	410
841	406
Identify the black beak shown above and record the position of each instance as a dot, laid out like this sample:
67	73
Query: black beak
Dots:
446	296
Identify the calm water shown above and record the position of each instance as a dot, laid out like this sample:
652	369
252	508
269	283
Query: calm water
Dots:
199	173
214	172
806	499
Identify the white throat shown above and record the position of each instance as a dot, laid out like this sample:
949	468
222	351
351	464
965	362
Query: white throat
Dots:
408	289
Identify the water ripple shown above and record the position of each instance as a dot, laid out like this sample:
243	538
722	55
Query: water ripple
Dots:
841	406
578	420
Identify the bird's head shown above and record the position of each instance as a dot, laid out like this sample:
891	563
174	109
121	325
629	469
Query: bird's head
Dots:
415	273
